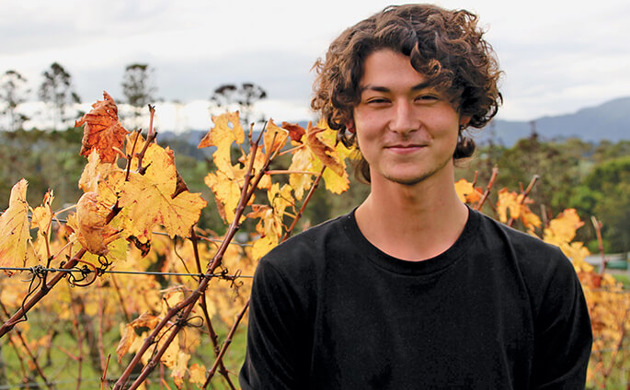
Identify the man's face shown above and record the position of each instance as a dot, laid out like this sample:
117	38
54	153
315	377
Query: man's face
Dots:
406	130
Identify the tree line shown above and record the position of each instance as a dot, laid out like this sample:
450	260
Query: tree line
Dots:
59	96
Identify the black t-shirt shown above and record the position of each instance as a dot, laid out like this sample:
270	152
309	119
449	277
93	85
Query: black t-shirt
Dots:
498	310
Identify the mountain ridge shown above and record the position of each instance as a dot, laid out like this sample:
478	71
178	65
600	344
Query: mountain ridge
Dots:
608	121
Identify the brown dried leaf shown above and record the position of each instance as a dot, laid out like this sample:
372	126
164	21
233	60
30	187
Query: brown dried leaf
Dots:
102	130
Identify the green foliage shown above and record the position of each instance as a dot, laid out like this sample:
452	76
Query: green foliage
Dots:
593	179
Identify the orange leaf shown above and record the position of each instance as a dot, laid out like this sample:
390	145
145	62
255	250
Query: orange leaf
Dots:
296	132
91	219
103	131
324	149
463	188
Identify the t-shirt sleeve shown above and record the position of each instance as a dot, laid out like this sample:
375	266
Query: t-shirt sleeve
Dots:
274	345
563	337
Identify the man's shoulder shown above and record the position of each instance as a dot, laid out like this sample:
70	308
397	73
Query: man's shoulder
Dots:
521	242
539	262
310	245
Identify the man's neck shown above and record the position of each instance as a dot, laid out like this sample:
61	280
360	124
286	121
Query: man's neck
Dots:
412	222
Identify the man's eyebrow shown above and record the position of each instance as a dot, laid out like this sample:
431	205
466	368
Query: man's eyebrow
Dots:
377	88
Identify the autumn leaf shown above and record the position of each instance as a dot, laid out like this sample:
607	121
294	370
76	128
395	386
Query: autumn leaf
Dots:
563	228
301	162
322	141
466	192
15	240
227	192
227	130
90	224
197	374
274	138
152	198
180	368
324	149
42	215
296	132
41	219
518	209
129	336
94	172
103	131
126	341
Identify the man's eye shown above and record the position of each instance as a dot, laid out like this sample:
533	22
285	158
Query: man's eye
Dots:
427	98
377	101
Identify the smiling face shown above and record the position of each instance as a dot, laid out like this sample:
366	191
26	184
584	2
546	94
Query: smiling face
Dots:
406	130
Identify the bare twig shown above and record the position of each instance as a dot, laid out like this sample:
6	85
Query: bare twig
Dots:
600	242
226	344
524	193
289	231
493	178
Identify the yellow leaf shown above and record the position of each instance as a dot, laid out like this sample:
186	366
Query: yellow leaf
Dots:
274	138
507	201
154	198
227	130
563	228
197	374
262	246
42	215
302	161
94	172
227	192
463	188
15	239
42	220
126	341
180	368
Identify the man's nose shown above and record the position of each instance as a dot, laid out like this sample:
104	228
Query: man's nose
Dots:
403	120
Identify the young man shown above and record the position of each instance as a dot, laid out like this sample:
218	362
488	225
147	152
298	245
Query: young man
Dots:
413	290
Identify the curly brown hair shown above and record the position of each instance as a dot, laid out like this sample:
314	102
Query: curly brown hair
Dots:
445	46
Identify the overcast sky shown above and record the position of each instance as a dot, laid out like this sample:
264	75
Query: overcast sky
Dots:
558	56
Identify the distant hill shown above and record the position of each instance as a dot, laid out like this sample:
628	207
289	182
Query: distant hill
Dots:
609	121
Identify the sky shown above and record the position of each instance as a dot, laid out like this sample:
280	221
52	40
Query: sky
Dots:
558	56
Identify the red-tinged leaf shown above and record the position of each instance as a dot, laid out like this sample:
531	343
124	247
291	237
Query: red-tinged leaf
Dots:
296	132
324	149
103	131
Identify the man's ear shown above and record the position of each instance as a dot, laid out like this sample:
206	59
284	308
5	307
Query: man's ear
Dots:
350	127
464	120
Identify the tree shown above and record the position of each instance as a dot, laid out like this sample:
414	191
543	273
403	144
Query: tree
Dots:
138	88
56	89
13	92
230	97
